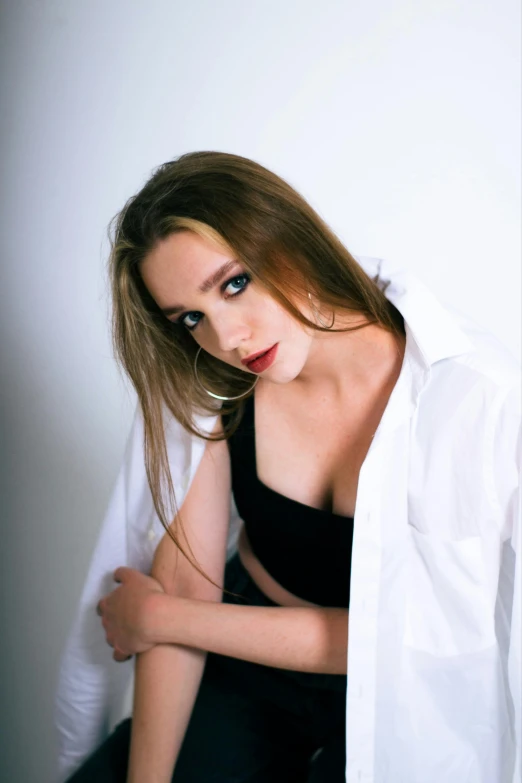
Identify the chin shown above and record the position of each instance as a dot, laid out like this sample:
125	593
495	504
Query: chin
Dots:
282	375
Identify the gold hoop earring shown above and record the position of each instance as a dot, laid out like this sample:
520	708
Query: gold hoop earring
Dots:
318	316
218	396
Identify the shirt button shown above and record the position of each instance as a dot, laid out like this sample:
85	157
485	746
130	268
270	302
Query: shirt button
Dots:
151	535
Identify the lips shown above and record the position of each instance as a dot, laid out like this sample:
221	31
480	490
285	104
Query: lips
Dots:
263	362
255	356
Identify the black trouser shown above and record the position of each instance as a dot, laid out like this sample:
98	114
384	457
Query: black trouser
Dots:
250	723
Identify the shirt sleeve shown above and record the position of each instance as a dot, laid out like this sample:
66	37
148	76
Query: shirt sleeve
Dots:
507	471
90	682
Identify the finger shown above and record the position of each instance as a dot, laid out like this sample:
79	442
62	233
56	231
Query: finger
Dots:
99	609
120	657
120	573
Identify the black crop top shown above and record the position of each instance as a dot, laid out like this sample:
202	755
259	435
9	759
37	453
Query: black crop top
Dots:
307	550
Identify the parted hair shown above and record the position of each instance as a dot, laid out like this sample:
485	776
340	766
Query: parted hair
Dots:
250	212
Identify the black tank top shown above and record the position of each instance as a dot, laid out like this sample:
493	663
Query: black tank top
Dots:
307	550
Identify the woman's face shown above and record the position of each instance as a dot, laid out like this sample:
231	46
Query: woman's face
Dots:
230	319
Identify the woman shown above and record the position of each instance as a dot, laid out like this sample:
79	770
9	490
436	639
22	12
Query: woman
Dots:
369	438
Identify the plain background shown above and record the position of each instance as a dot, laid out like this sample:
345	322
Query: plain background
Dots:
398	121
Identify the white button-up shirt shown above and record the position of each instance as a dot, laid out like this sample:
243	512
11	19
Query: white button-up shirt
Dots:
434	654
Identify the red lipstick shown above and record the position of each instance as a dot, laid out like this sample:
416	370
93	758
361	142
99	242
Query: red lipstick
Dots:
253	356
261	360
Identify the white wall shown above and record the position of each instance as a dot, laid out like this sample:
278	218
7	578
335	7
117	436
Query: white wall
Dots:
399	121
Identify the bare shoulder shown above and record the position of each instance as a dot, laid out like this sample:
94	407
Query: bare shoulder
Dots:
205	516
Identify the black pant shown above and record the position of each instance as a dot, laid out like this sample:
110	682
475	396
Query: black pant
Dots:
250	723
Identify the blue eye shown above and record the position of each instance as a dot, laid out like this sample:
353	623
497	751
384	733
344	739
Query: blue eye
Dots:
244	280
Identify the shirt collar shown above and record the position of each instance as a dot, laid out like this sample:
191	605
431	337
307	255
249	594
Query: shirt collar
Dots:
434	330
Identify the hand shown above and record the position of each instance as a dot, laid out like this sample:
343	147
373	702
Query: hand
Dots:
124	612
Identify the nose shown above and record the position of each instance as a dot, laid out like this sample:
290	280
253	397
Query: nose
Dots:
231	331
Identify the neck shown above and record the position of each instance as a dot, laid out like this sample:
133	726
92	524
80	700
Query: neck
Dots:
358	361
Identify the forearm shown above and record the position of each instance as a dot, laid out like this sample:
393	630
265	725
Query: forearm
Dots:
304	639
166	685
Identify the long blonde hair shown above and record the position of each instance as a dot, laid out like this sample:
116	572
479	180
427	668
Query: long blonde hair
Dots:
275	234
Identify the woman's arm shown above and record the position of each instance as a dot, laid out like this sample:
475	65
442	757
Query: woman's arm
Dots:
306	639
168	676
139	615
165	688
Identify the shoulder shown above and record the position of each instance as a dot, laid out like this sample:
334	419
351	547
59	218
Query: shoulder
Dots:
489	357
466	439
488	371
471	405
474	357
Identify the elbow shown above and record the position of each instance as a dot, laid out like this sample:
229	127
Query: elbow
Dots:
180	579
165	570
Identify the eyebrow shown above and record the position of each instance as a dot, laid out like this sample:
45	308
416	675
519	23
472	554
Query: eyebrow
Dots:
209	283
